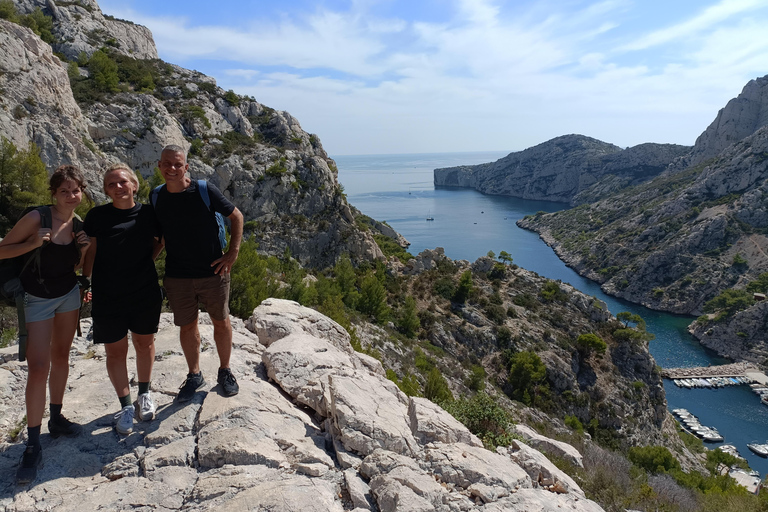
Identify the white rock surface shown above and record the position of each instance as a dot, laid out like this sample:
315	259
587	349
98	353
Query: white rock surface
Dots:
262	449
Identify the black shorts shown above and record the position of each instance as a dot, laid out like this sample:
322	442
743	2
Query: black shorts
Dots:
141	318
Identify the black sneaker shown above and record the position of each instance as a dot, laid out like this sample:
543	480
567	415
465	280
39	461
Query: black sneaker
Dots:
187	390
31	460
61	426
227	382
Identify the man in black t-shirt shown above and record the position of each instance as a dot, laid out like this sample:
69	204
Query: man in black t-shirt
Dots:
196	266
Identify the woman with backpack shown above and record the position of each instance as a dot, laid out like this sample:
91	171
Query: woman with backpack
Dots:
51	306
126	294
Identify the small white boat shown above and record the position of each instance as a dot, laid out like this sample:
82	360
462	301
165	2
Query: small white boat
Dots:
759	449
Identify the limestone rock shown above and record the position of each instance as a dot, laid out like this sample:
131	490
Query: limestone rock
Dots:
258	449
81	27
741	117
559	448
275	319
370	413
430	423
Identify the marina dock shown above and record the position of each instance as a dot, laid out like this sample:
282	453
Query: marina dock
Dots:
724	370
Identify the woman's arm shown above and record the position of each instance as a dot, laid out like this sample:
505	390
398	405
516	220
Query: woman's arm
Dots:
84	242
90	257
157	247
25	236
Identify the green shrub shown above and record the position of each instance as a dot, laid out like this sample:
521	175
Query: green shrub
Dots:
654	459
476	379
587	343
484	417
464	288
436	388
527	375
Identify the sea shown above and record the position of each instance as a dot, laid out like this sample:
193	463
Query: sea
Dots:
399	189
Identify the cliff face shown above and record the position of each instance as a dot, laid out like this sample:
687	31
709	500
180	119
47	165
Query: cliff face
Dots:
741	117
741	337
682	238
571	169
80	26
275	172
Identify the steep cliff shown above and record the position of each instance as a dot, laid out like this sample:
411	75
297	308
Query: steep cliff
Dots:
570	169
132	105
687	235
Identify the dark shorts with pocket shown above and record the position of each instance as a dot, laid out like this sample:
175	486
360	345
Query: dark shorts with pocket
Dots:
140	318
186	294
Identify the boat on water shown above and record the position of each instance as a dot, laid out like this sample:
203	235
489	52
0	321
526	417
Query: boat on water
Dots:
759	449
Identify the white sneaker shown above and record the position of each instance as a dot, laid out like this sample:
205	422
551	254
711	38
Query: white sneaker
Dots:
124	420
145	407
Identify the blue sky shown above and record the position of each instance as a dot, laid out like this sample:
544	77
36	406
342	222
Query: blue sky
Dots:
414	76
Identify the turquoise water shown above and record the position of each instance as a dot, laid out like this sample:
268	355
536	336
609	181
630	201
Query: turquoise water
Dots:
467	224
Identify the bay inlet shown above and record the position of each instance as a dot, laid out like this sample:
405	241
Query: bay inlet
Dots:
399	189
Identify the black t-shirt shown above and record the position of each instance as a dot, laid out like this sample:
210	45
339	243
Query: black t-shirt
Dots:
123	272
190	230
57	270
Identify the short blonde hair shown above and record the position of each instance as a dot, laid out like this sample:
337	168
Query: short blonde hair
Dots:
121	167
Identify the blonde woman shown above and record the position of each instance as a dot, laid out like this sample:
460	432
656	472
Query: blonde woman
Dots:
126	295
51	307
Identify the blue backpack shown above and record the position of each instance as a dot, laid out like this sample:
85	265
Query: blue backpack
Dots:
202	187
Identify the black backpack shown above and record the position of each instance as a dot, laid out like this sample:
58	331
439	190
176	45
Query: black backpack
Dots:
11	290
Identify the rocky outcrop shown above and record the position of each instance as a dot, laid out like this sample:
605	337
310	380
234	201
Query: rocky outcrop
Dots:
367	446
80	27
740	118
37	103
278	175
740	337
563	169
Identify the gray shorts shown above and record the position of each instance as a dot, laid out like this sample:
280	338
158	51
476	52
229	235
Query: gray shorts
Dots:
37	309
186	294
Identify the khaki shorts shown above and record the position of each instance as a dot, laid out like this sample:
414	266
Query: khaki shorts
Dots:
186	294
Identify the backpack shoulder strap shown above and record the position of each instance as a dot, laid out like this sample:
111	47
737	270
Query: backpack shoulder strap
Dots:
46	217
77	224
153	195
202	186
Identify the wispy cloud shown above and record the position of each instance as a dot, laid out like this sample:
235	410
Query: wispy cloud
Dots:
704	21
484	74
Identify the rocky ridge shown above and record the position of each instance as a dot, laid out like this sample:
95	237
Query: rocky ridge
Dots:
277	174
316	426
80	27
571	169
679	240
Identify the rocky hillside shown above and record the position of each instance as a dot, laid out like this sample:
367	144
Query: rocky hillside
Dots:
510	311
740	338
315	426
571	169
98	94
684	237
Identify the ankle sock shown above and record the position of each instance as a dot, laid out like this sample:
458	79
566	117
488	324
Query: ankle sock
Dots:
125	400
55	411
143	387
33	436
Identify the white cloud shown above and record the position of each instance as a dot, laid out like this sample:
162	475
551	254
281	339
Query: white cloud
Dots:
704	21
489	75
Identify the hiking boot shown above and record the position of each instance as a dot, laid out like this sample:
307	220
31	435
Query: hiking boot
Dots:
31	460
187	390
124	420
227	382
61	426
145	407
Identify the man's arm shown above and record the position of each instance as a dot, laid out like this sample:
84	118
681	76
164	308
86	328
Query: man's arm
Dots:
224	264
